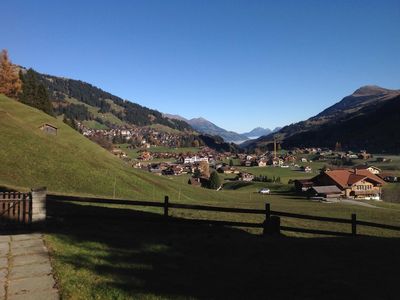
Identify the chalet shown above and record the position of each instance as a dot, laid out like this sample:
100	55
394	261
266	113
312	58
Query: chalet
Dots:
194	159
194	181
145	155
49	129
262	163
306	169
364	155
372	169
119	153
353	183
227	170
246	163
275	161
303	185
243	176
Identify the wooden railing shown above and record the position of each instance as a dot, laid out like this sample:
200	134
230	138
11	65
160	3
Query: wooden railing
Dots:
15	208
271	225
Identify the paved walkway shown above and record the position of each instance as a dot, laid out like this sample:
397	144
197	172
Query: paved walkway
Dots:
25	270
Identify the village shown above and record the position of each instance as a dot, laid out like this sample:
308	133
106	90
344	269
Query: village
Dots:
333	174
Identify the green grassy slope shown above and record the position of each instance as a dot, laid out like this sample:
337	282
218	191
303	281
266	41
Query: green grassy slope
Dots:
66	163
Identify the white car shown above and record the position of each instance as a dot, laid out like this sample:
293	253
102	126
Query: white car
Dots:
264	191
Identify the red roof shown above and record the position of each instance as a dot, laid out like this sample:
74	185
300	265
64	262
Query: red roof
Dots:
345	178
370	176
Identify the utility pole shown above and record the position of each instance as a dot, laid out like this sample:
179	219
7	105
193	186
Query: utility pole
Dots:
115	183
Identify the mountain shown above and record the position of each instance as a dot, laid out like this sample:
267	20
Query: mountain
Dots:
257	132
207	127
351	122
84	102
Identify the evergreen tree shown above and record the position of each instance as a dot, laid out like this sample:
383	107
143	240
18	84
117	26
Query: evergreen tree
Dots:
10	83
231	163
34	93
196	173
215	181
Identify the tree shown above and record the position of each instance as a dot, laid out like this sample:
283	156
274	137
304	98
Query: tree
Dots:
195	144
10	83
231	163
196	173
34	93
204	169
215	181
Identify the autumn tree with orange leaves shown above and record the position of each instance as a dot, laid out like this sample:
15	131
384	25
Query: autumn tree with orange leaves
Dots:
10	83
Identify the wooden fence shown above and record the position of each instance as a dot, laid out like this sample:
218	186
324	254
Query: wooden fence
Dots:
271	225
15	209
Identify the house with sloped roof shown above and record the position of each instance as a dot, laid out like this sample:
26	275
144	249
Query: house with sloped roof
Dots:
372	169
358	184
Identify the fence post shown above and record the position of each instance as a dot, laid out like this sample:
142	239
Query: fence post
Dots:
272	224
267	211
38	212
166	201
353	224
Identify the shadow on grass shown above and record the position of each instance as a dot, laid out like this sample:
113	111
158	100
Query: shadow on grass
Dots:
290	194
4	189
146	255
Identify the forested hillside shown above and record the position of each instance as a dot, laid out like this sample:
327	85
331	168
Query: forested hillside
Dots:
70	96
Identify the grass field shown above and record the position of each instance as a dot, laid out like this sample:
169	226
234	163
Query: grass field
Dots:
126	256
110	252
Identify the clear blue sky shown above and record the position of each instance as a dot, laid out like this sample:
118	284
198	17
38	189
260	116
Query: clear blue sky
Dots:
240	64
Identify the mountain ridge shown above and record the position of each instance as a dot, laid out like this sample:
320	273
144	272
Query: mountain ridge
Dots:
359	103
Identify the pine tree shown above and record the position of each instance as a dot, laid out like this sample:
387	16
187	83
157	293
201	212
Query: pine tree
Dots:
215	181
34	93
10	83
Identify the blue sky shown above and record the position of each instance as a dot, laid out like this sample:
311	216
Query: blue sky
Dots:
240	64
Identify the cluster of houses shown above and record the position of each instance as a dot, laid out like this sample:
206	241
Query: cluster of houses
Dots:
143	137
266	159
360	182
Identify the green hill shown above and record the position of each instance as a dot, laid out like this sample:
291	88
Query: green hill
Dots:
65	163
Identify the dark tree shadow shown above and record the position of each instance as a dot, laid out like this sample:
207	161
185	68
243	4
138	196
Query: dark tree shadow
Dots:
149	255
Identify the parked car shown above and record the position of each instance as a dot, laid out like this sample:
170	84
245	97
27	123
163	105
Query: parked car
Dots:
264	191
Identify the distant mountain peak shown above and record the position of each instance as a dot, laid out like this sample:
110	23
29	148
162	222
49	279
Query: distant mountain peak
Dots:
370	90
257	132
199	119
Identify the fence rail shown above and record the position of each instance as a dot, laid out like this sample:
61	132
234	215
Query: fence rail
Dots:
271	225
